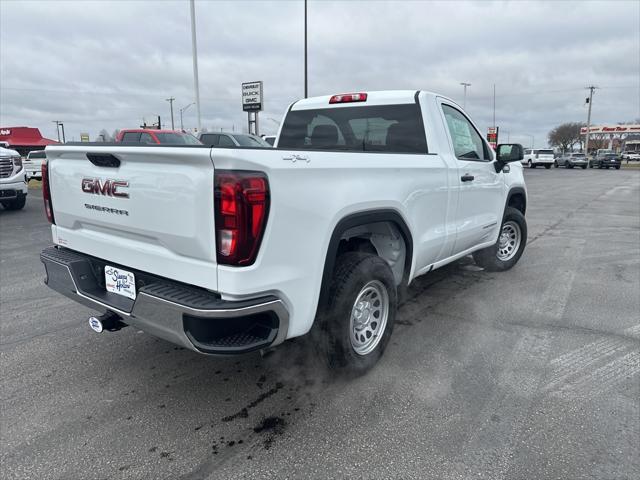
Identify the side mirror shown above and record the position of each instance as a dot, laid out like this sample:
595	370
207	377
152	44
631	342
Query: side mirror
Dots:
509	152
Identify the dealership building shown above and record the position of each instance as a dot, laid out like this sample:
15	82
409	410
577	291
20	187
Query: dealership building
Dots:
24	139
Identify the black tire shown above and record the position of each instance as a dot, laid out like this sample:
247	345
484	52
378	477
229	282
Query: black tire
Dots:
569	165
354	270
617	167
555	164
607	167
488	259
547	166
531	164
17	204
584	167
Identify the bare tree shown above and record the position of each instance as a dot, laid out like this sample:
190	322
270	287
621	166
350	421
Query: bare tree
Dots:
565	136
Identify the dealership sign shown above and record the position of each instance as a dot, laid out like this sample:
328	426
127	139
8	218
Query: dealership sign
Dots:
612	129
252	96
5	132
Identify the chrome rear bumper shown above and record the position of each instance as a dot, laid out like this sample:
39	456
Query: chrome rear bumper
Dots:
187	316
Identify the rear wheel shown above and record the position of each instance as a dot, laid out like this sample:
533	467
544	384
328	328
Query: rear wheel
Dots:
584	167
506	252
617	167
569	165
531	164
555	164
354	326
547	166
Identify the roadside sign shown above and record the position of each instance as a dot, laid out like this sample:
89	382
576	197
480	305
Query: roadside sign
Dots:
84	137
492	137
252	96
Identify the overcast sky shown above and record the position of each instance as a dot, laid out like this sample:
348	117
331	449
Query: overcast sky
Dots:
108	64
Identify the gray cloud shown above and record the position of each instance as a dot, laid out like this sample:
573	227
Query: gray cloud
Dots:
107	64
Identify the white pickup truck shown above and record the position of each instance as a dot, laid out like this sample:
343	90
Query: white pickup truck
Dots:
226	250
13	183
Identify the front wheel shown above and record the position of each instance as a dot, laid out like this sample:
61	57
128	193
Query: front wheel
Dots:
17	204
531	164
584	167
569	165
547	166
354	326
617	167
555	164
506	252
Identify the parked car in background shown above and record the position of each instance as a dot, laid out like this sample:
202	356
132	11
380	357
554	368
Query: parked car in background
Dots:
270	139
570	160
152	136
13	182
606	159
240	140
33	164
534	157
631	155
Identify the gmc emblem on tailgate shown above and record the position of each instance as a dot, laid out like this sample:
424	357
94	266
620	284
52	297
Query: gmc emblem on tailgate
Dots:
108	188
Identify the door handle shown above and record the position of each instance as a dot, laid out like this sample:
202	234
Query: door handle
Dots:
467	178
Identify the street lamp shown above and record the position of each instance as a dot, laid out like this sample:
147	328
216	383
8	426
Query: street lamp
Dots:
182	110
465	85
58	125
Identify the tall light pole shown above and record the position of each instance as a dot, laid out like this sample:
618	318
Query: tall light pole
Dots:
182	110
57	128
464	102
58	125
170	100
194	51
589	101
306	84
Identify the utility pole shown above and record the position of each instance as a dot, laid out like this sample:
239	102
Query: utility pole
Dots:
306	84
589	100
170	100
182	110
464	102
194	51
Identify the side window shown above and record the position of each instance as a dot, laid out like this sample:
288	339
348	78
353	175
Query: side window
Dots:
467	142
146	138
131	137
225	141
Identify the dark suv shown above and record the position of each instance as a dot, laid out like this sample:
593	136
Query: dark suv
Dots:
605	160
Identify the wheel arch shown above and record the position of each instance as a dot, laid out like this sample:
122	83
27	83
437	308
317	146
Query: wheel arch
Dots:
517	198
359	219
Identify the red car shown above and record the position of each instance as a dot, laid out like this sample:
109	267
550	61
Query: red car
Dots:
149	135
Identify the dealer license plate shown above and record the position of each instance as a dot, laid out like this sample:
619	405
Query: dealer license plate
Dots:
120	282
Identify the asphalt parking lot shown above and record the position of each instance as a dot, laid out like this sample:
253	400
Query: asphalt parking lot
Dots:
531	373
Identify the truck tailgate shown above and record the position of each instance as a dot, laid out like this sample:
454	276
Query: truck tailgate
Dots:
153	212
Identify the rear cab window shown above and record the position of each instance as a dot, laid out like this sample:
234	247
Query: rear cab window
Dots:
363	128
131	137
33	155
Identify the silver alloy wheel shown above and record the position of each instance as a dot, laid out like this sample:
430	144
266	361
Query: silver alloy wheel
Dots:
509	241
369	317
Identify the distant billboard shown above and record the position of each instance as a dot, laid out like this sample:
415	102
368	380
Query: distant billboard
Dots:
612	129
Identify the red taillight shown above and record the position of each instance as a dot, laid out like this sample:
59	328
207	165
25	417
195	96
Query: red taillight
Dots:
241	208
46	192
348	98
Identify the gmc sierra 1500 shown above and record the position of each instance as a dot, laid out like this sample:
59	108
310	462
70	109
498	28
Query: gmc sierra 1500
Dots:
225	250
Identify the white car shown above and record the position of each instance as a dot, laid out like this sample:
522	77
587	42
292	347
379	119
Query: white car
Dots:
228	250
33	164
631	155
235	140
538	157
13	183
